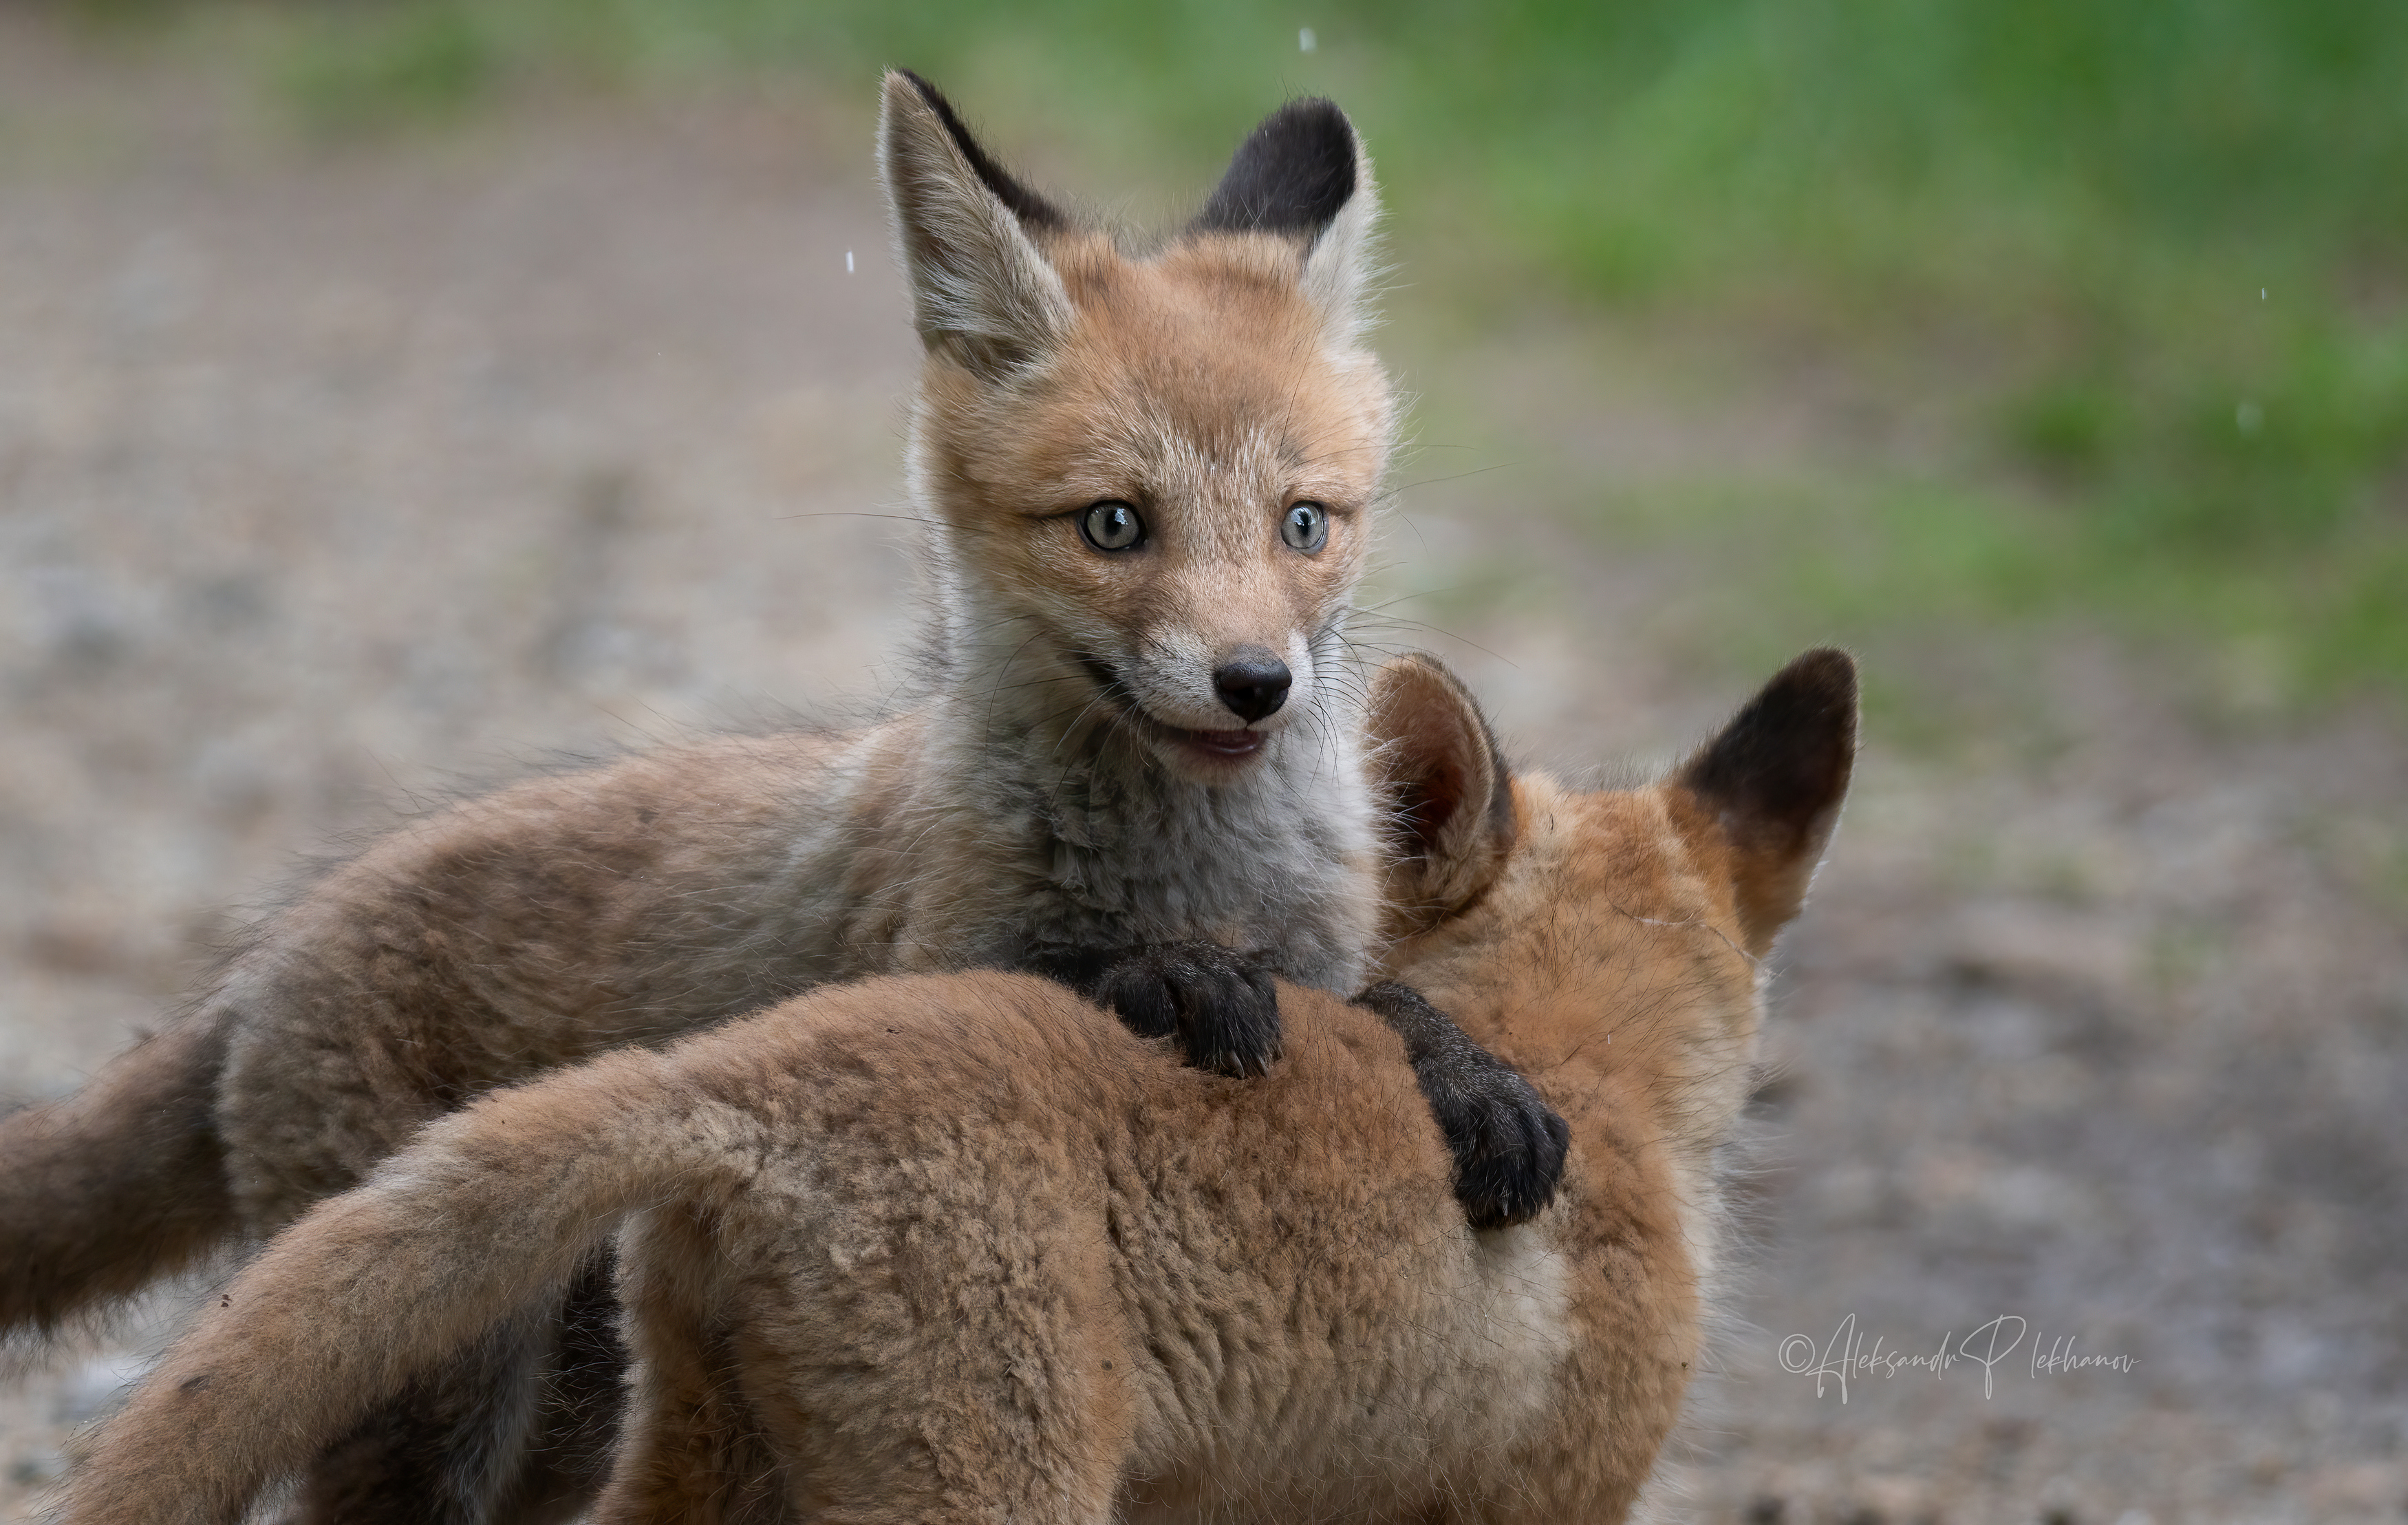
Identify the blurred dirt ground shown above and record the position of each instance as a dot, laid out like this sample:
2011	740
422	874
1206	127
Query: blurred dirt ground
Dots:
333	480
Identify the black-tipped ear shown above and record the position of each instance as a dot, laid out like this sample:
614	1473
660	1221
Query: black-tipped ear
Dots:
1294	175
1448	793
1033	210
1773	781
1303	175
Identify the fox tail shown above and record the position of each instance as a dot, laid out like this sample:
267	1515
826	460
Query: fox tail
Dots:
104	1191
488	1213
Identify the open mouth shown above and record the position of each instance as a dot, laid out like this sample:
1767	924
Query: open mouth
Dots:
1218	743
1216	746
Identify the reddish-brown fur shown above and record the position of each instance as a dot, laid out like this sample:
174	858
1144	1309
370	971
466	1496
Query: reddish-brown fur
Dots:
964	1248
1012	807
1061	781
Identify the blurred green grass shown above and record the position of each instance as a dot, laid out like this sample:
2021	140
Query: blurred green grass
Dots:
2157	250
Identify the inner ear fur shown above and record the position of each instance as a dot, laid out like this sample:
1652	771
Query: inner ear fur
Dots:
1446	789
981	289
1034	212
1772	783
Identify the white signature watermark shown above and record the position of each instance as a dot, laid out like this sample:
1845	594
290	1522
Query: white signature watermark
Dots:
1848	1356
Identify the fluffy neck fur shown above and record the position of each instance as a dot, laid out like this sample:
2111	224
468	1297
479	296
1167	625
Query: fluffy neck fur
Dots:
1047	821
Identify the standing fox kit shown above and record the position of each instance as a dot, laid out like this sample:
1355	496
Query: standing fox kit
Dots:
960	1248
1135	765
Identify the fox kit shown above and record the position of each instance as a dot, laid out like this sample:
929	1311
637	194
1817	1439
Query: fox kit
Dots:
881	1267
1135	765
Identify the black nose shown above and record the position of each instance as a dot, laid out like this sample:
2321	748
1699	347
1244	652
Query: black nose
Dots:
1252	682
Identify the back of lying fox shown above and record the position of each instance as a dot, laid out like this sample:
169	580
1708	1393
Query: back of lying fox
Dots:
1149	485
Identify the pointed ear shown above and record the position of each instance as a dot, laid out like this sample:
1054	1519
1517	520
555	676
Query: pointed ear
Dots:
1446	787
980	290
1303	174
1773	783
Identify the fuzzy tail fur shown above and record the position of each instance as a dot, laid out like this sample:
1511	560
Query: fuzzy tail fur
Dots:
111	1188
490	1213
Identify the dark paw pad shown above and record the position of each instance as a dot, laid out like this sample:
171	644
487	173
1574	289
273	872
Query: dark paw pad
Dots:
1220	1005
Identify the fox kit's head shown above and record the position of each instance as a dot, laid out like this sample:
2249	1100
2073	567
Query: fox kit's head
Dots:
1153	477
1522	905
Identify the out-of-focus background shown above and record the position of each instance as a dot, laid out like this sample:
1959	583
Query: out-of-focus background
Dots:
394	394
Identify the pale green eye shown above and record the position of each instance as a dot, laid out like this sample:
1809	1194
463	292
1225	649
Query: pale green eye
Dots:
1110	525
1306	527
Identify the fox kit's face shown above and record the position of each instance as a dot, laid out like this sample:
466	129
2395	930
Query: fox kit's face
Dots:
1173	510
1155	475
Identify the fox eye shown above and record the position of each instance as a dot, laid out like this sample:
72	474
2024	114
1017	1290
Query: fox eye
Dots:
1306	527
1110	525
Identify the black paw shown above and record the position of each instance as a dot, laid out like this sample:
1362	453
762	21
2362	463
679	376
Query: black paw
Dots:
1220	1005
1507	1144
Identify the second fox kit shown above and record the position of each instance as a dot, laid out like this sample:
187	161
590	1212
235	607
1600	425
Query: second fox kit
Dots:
882	1271
1149	484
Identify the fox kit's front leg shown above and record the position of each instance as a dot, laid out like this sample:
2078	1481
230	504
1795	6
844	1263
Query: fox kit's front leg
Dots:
1218	1004
1223	1010
1507	1144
